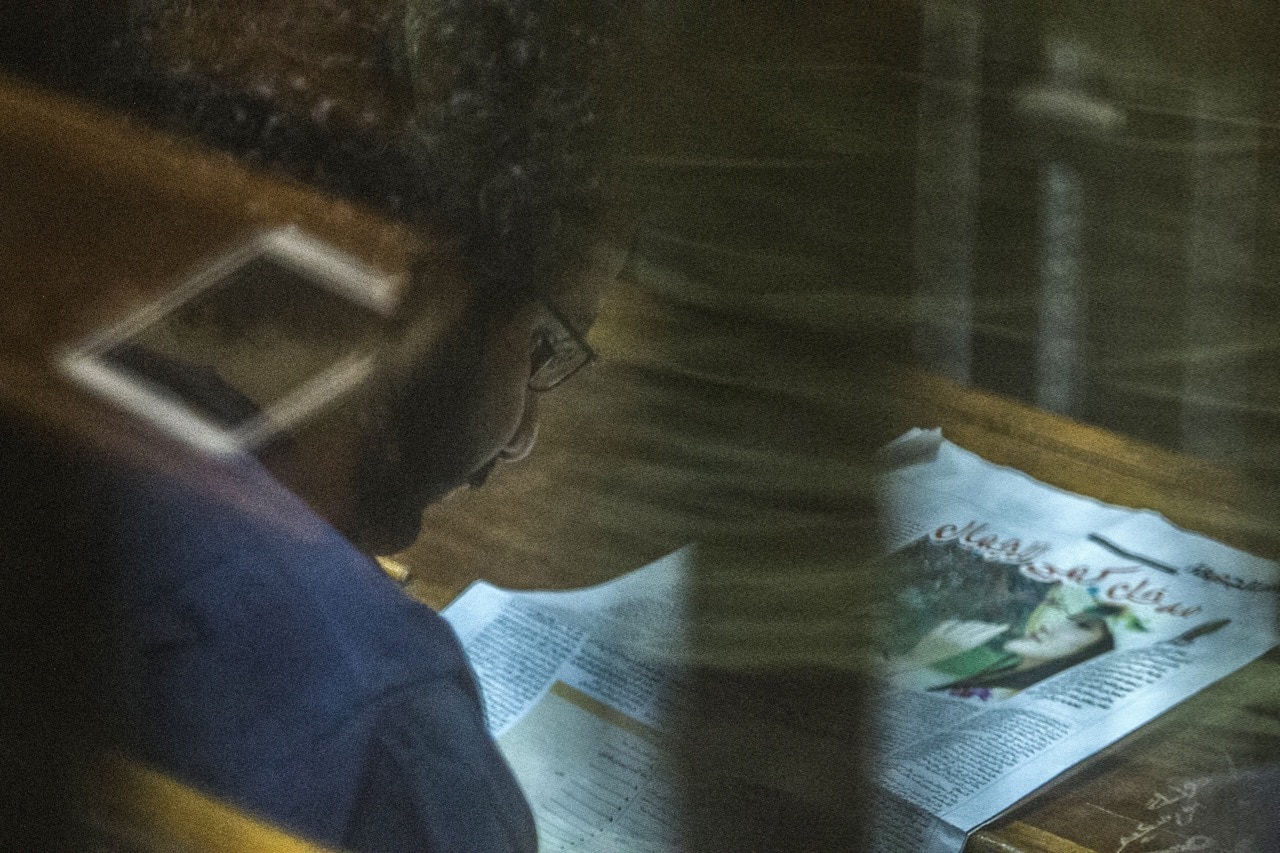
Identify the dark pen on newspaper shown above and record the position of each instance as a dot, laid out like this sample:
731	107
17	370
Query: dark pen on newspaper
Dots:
1129	555
1204	629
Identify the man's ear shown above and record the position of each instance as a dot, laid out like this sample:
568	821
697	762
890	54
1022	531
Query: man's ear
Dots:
526	435
435	298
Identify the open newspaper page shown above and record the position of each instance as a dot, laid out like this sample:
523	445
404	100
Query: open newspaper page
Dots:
580	692
1032	628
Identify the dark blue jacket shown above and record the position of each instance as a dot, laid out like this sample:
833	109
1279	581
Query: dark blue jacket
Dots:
263	660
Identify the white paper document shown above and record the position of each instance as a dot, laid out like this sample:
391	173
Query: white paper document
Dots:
579	692
1029	628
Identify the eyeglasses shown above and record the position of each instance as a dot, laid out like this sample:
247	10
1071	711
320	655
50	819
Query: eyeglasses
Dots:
560	352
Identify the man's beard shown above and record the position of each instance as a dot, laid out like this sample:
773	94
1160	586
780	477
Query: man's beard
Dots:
421	450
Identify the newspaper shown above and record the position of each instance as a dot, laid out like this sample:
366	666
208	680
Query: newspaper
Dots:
579	693
1030	628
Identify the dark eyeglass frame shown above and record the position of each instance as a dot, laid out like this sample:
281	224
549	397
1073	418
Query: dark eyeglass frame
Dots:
557	358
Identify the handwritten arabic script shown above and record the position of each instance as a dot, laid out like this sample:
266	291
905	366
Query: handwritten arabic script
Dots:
1176	806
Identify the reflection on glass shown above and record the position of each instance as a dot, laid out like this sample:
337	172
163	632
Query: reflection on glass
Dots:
947	185
251	344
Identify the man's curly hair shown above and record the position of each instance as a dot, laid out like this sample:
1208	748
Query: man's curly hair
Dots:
498	117
515	102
